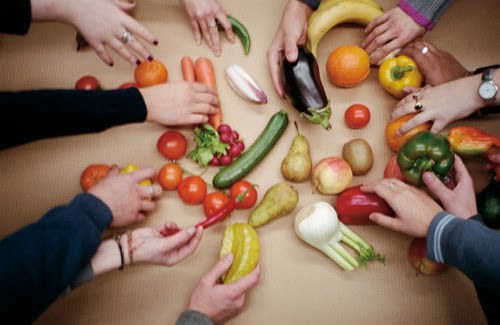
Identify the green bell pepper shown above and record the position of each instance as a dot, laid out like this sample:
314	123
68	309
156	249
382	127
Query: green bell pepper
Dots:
425	151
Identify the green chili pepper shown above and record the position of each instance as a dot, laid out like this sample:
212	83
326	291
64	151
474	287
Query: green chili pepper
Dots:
424	152
240	30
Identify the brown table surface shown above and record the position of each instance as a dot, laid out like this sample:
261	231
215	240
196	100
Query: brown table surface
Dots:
299	285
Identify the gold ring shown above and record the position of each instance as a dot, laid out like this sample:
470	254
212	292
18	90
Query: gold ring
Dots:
418	106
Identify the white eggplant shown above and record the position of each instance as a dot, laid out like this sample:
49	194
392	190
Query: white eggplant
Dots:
243	84
319	226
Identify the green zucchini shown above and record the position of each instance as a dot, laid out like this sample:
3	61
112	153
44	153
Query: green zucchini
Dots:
229	175
240	30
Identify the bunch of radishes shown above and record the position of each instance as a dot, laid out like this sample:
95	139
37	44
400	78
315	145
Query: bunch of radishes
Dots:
236	146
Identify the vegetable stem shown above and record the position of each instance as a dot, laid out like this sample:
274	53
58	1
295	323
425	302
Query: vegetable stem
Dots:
330	252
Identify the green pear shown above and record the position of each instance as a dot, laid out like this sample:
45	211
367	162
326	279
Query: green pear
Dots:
297	165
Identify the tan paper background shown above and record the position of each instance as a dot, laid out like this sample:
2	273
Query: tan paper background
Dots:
298	284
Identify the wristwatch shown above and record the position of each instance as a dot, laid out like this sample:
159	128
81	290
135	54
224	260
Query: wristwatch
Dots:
488	88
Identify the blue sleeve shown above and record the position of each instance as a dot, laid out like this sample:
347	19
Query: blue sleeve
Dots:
40	260
467	245
313	3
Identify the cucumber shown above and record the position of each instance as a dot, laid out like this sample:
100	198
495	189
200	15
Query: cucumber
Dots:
249	159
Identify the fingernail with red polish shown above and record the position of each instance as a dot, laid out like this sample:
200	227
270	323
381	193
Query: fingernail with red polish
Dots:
111	64
150	58
155	42
138	62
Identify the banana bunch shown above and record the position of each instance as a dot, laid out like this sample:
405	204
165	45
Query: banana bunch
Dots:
335	12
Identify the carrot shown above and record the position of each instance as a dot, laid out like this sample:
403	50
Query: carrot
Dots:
204	71
187	69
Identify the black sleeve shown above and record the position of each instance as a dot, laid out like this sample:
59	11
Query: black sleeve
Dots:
39	261
42	114
15	16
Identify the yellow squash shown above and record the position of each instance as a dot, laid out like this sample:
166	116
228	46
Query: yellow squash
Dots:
242	241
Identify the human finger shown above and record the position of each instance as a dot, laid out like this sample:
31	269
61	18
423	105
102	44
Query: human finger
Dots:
374	33
202	109
150	192
178	239
402	110
461	172
386	221
377	21
438	125
224	22
382	52
204	30
418	119
143	174
202	88
138	48
124	5
206	98
214	35
139	30
191	246
435	185
196	31
221	267
379	41
120	48
274	59
494	158
247	282
147	205
194	119
101	51
291	49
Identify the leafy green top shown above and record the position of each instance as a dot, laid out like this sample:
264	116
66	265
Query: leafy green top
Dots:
208	144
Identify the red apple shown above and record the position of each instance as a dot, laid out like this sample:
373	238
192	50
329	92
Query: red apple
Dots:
417	254
331	175
392	170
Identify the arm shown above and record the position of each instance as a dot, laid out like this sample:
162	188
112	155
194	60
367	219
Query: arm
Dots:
50	113
467	245
40	260
424	12
15	16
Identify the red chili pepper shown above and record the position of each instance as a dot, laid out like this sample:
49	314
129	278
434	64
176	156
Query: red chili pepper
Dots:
355	206
222	215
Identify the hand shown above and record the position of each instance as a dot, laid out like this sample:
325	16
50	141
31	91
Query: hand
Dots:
219	301
442	104
291	31
204	14
103	23
179	103
388	32
494	164
123	195
414	209
438	67
152	248
461	201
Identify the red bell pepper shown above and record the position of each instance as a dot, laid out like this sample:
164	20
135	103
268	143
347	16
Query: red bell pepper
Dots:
220	216
470	141
355	206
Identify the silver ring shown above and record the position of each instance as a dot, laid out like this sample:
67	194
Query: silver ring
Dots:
212	25
425	50
126	37
392	185
152	191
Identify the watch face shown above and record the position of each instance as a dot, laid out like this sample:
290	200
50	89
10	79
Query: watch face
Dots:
487	90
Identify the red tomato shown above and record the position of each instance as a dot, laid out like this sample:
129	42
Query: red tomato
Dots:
192	190
354	206
357	116
128	85
214	202
250	198
392	169
87	83
92	175
172	144
170	176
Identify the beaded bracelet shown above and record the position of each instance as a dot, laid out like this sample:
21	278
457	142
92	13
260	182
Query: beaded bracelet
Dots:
117	240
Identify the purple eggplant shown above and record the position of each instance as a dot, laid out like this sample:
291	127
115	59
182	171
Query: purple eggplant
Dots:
303	88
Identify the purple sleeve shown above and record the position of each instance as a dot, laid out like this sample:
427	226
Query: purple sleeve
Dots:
426	13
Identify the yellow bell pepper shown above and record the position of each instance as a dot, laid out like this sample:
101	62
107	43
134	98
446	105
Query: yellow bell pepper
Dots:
242	241
132	168
398	73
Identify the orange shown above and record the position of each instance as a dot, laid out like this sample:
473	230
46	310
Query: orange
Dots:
348	65
150	73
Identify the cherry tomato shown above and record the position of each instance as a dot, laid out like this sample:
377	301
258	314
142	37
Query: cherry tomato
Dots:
92	175
87	83
128	85
250	198
357	116
172	144
170	176
214	202
192	190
